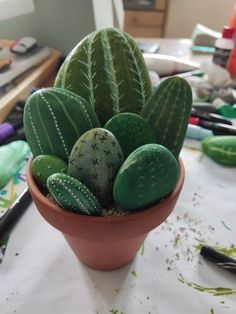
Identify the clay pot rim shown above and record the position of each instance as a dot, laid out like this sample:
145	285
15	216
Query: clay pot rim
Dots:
103	219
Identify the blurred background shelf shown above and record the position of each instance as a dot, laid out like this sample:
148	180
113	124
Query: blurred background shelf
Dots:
40	75
145	18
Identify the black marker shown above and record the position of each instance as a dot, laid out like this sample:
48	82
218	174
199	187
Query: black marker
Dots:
219	259
13	214
210	116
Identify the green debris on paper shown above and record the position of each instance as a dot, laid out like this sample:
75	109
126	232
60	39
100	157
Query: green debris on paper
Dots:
212	311
217	291
133	272
142	250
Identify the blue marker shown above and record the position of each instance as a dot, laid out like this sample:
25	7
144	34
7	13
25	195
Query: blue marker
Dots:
198	133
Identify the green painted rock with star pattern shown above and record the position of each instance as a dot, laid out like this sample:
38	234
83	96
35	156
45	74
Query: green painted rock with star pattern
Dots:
95	160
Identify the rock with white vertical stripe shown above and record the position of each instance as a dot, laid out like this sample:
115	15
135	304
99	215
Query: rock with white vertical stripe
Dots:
108	70
168	111
73	195
54	119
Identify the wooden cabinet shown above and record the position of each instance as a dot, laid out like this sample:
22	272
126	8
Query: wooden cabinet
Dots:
145	21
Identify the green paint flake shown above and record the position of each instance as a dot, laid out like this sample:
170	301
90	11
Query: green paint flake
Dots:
212	311
142	250
133	272
217	291
113	311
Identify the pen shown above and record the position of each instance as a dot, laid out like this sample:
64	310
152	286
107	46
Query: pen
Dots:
209	116
217	128
8	129
197	133
220	259
13	214
18	135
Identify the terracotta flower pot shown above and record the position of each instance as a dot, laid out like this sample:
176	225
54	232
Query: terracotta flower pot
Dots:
105	243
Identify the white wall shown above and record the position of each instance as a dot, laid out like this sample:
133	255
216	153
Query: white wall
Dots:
183	15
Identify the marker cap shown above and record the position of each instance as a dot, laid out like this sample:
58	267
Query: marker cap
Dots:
197	133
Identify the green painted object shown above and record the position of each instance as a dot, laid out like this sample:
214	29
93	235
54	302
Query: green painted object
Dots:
222	149
149	174
45	165
168	111
72	195
131	131
12	159
95	160
108	70
54	119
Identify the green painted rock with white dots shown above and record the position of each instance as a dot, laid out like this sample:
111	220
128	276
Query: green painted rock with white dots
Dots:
54	119
73	195
148	174
43	166
131	130
95	160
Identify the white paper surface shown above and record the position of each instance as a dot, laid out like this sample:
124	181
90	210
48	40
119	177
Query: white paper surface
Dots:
46	277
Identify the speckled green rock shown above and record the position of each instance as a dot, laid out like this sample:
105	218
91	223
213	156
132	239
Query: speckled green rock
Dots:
45	165
148	174
131	130
221	149
95	160
73	195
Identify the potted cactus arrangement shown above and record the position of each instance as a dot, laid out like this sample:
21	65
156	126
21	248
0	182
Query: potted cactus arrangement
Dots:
106	167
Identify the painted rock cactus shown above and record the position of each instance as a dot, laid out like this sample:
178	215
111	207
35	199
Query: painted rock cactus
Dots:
131	130
71	194
168	111
43	166
222	149
54	119
149	174
108	70
95	159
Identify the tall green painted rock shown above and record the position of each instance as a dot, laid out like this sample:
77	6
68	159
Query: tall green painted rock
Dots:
168	111
54	119
43	166
71	194
95	159
148	174
131	131
108	70
222	149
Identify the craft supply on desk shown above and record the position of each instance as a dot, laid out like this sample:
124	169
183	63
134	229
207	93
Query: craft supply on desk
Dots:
221	149
210	117
13	214
12	158
9	129
224	109
223	47
219	259
218	128
197	133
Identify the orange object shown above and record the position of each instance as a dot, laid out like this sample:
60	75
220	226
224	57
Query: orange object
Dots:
231	65
105	243
232	21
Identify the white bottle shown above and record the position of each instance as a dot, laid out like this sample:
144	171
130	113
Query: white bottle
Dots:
223	47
